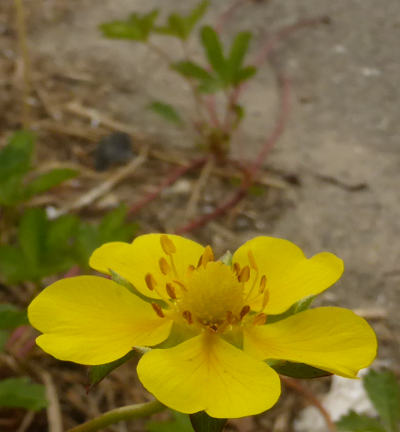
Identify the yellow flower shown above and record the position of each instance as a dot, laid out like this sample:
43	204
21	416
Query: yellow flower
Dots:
212	318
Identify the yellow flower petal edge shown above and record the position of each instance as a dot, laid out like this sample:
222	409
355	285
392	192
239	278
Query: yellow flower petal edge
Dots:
92	320
141	258
329	338
290	276
207	373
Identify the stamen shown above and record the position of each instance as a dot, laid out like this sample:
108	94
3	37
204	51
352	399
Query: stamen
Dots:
170	291
188	316
245	310
164	266
167	245
244	274
230	317
236	268
199	262
252	260
180	284
260	319
263	283
158	310
208	255
150	281
265	300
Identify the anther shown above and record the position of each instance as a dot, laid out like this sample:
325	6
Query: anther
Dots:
263	283
252	260
180	284
170	291
191	268
260	319
244	274
245	310
236	268
265	300
230	317
158	310
208	255
188	316
150	281
164	266
167	245
199	262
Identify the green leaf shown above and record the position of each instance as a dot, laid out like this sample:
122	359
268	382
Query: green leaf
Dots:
22	393
12	264
11	190
166	111
297	370
238	50
4	335
202	422
60	234
191	70
244	74
15	157
11	317
48	180
197	14
181	26
31	235
179	423
384	392
136	27
354	422
99	372
213	50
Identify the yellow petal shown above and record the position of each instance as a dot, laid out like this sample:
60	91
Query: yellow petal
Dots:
135	261
207	373
290	276
92	320
329	338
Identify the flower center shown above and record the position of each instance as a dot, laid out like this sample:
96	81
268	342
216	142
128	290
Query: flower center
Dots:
213	297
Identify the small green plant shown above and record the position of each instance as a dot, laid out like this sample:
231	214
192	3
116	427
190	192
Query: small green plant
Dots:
384	392
222	71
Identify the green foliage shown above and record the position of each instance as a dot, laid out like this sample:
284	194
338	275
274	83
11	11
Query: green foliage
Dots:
15	162
202	422
98	373
45	247
181	26
179	423
166	111
22	393
11	317
136	27
226	71
112	227
354	422
384	392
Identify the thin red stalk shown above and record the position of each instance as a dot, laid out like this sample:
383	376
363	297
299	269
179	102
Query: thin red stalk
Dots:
249	174
293	384
171	179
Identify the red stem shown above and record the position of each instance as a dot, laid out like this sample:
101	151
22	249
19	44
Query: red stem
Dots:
171	179
255	166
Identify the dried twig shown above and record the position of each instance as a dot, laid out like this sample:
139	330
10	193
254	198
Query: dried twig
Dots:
104	187
171	179
54	417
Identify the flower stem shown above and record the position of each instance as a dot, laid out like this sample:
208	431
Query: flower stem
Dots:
119	414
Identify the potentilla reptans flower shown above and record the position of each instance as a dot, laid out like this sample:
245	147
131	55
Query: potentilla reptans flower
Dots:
207	321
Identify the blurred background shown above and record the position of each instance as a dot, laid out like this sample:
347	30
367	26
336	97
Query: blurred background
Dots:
330	182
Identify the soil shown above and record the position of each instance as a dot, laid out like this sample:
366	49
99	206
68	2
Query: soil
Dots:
336	164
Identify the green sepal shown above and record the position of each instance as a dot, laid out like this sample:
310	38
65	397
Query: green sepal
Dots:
297	370
202	422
